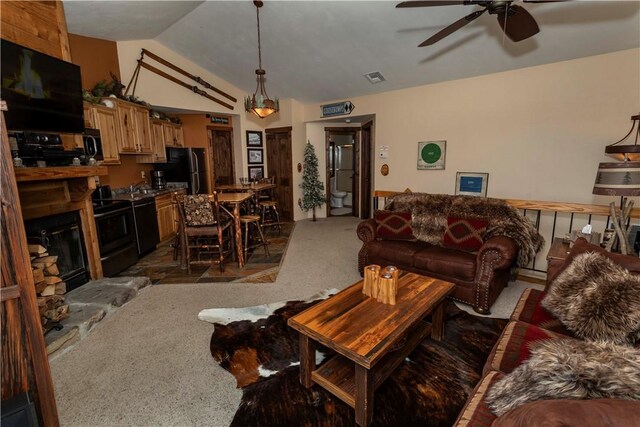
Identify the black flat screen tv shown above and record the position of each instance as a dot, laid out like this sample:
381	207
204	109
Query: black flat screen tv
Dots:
43	93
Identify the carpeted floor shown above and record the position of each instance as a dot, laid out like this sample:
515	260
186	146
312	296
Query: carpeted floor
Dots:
149	364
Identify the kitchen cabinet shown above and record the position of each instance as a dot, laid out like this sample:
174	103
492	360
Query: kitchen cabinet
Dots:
174	136
87	115
159	154
105	119
133	127
178	135
143	130
167	215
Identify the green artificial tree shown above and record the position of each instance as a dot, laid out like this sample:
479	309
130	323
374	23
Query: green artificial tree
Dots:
312	189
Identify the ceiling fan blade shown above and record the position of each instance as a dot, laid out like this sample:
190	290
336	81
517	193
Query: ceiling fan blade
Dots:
517	23
545	1
405	4
452	28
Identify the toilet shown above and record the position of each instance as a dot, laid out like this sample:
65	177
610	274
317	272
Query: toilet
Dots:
337	197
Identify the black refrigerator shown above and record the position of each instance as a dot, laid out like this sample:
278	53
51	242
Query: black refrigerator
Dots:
186	165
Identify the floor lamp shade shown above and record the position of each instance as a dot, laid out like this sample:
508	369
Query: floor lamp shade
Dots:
618	179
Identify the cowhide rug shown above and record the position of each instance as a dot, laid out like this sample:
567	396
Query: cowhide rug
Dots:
428	389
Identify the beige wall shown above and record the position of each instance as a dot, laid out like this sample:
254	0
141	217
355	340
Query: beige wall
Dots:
539	132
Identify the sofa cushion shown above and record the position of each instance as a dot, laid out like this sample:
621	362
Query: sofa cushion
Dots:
514	346
394	225
564	412
476	412
398	252
597	299
581	245
449	262
569	369
465	234
530	310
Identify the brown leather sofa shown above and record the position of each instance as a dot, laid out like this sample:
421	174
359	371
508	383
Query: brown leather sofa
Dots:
479	277
531	323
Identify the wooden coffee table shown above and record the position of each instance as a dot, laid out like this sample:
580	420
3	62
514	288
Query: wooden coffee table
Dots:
374	337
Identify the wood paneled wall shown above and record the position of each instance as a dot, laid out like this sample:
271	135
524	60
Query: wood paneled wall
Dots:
38	25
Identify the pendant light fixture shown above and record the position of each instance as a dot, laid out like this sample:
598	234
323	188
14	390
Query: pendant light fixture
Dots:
259	103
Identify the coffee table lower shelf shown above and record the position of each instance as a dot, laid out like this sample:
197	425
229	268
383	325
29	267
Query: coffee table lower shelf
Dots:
337	375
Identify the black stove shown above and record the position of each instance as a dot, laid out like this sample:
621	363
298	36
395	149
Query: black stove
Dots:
115	225
108	205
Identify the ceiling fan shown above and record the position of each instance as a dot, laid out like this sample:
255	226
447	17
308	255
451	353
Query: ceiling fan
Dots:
515	21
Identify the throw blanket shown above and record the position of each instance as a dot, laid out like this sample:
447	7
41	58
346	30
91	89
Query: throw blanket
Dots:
430	212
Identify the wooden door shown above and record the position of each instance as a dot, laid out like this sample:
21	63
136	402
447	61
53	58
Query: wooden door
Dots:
143	131
221	142
366	151
25	366
105	119
279	165
126	128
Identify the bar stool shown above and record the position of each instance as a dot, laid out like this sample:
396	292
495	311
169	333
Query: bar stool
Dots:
247	221
269	215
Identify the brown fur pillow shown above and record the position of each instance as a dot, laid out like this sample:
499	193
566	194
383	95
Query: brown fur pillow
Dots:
597	299
569	369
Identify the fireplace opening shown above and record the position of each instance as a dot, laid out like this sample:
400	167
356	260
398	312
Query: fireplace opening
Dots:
61	235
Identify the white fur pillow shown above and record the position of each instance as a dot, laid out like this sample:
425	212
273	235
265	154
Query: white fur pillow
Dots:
567	368
597	299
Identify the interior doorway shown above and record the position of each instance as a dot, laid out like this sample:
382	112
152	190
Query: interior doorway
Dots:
221	144
280	167
343	171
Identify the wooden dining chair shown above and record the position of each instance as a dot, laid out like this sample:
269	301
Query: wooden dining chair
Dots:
205	227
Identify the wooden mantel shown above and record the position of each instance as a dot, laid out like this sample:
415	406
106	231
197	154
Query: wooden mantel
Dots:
54	190
60	172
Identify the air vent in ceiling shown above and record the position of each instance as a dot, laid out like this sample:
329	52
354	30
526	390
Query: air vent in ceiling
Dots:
375	77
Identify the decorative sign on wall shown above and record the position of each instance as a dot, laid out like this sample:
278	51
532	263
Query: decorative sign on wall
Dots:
337	109
472	183
431	155
219	120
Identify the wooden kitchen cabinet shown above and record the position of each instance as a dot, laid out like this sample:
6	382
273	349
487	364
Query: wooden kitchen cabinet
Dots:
134	130
105	119
143	130
159	154
87	115
173	135
178	135
167	215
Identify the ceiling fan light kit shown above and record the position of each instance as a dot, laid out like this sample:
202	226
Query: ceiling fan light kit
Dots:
516	22
259	103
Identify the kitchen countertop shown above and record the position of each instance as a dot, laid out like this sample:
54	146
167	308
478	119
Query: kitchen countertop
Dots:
140	194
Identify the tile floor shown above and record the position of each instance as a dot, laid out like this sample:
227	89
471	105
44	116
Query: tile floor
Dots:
161	268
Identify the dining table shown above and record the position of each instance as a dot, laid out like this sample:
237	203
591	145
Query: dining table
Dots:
234	200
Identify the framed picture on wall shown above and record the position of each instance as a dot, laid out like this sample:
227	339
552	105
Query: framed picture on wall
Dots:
472	184
256	173
254	138
431	155
254	156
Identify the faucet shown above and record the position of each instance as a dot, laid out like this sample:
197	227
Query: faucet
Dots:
134	186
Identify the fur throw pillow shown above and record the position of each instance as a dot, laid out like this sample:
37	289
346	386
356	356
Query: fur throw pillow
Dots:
567	368
597	299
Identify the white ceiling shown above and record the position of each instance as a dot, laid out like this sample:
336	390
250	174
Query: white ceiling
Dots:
317	51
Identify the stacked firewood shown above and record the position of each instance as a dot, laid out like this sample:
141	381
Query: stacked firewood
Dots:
49	287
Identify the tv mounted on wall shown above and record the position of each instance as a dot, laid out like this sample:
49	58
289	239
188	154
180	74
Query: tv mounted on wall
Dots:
43	93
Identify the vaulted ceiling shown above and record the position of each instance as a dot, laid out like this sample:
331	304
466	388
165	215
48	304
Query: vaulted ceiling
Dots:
316	51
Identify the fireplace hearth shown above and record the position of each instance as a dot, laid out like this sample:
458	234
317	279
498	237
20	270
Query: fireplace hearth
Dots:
62	236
